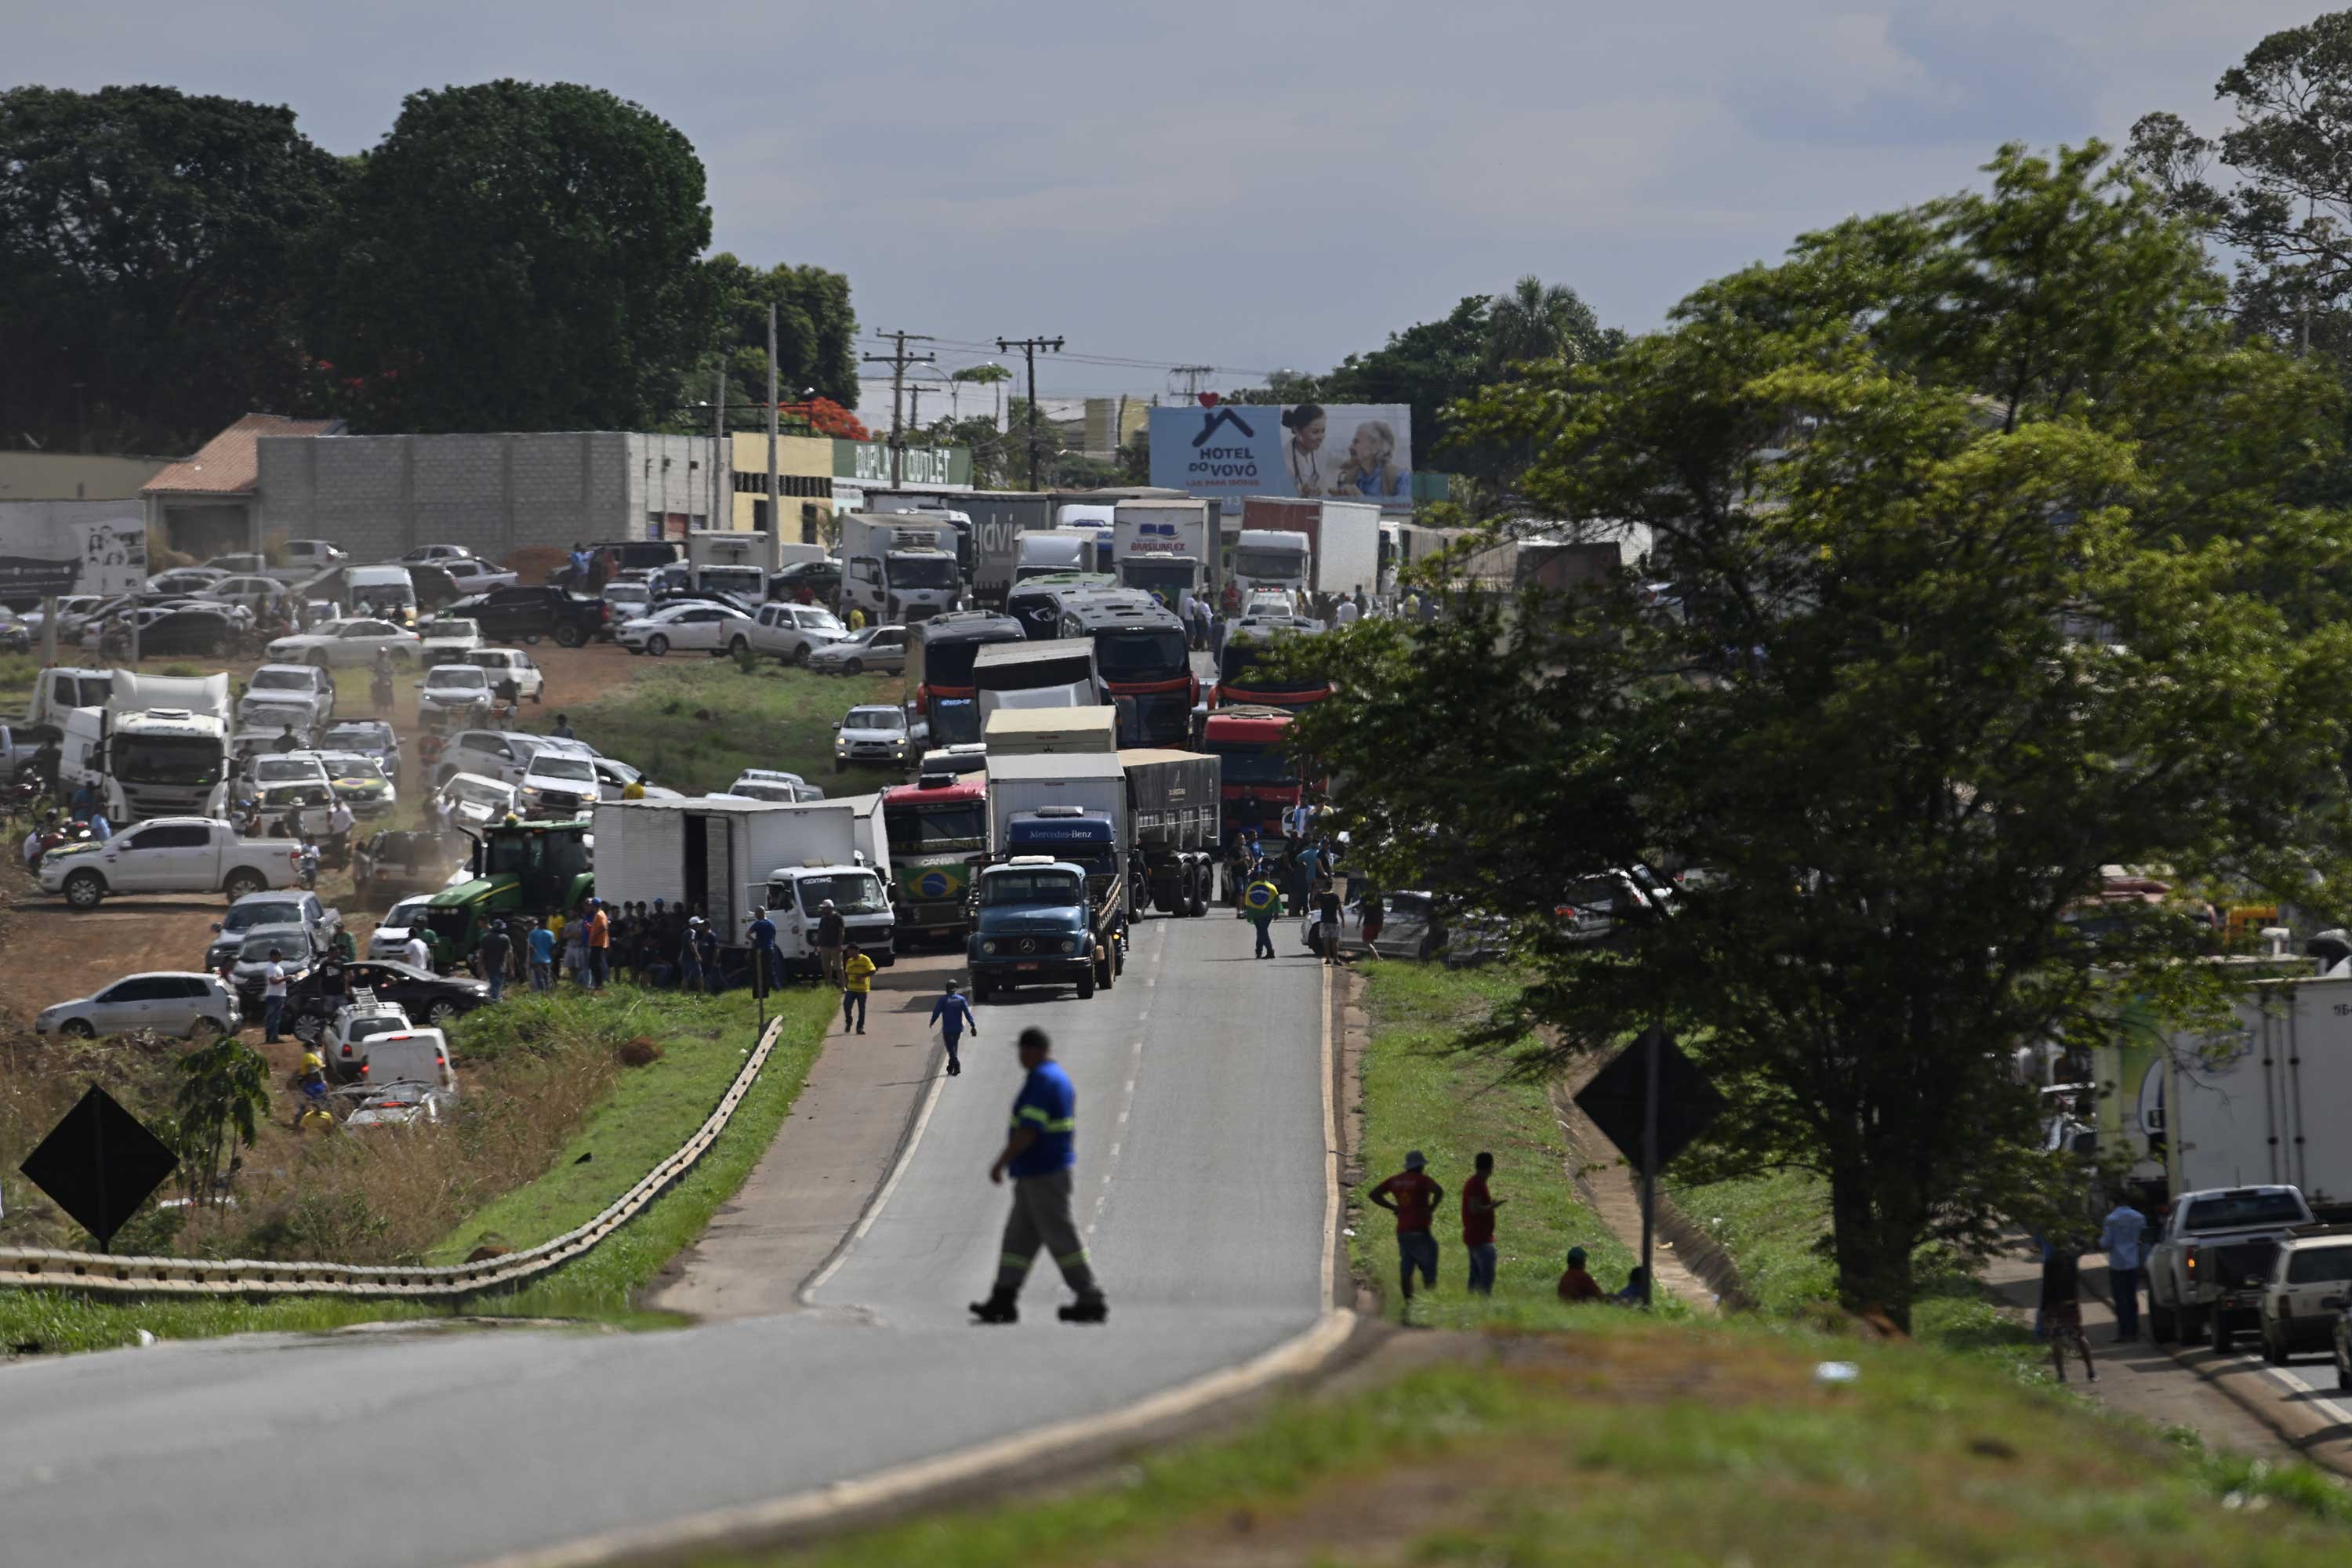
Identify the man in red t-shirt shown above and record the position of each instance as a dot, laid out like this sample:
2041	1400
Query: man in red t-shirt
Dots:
1478	1227
1413	1198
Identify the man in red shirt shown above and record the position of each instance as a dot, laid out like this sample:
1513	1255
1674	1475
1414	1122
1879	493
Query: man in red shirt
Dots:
1479	1227
1412	1198
1577	1286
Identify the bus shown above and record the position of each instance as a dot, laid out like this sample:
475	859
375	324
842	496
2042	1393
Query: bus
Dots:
1145	659
1245	672
939	655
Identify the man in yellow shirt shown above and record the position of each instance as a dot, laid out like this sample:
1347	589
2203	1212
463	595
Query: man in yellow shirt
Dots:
856	619
857	980
633	790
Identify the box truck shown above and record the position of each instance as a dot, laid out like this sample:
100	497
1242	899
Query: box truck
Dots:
1162	548
1342	552
1047	731
724	858
898	567
1055	673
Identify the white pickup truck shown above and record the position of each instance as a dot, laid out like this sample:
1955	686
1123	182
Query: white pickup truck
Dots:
2207	1267
169	855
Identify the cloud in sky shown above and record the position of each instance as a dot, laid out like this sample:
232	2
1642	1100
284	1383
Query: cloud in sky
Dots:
1248	185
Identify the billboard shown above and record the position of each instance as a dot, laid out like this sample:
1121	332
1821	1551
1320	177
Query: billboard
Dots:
1353	451
70	547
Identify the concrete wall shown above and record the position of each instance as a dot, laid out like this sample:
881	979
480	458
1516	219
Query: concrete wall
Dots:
74	476
379	496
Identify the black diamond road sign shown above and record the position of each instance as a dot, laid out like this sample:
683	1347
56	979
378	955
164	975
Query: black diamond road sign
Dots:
1687	1101
99	1163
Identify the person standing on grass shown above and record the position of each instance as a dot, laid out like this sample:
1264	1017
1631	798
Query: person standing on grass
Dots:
857	980
952	1013
600	945
273	995
495	951
830	934
562	730
1576	1286
766	962
542	956
1479	1206
1412	1196
2121	1234
1039	1154
689	958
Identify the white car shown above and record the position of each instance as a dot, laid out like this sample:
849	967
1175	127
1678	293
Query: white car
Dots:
477	576
368	737
170	1002
875	736
769	783
390	938
360	782
454	687
436	554
354	640
447	640
626	601
255	594
695	625
558	784
512	664
790	631
342	1040
476	801
500	755
267	768
184	580
308	557
307	691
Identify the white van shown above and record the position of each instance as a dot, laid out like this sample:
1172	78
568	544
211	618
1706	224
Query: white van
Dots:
386	589
409	1056
476	801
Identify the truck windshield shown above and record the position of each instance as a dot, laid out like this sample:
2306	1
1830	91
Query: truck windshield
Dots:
948	662
1029	888
534	855
922	571
1253	765
1277	564
936	827
2238	1211
852	892
1034	675
189	759
1154	654
281	680
955	720
1165	580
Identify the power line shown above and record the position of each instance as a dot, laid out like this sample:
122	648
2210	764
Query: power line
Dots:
899	359
1029	347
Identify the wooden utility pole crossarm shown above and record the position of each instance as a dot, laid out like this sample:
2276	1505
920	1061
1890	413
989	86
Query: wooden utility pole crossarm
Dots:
1029	347
898	360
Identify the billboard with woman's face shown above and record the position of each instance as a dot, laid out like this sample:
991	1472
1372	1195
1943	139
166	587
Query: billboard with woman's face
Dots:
1356	451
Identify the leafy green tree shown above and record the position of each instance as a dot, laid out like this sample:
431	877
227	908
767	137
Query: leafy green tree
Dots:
516	255
1135	458
1539	321
224	1093
148	250
817	332
1986	574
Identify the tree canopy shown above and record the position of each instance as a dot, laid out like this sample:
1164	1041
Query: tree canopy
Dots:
1986	572
150	244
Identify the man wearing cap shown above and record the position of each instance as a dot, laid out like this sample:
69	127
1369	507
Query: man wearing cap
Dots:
1412	1198
830	934
1039	1156
689	957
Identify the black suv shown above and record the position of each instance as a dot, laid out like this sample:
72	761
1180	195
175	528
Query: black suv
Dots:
525	613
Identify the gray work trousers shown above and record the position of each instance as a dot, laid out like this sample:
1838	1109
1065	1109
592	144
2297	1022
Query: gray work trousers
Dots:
1040	1216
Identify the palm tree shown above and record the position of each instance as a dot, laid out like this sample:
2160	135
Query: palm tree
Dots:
1539	321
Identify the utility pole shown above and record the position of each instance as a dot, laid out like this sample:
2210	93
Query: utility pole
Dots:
775	501
1029	347
721	455
1192	374
898	360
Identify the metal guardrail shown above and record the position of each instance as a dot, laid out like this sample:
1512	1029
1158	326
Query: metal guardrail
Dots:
107	1273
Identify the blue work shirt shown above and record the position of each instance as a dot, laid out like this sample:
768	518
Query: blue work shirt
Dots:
542	945
954	1015
1048	1104
762	932
2119	1237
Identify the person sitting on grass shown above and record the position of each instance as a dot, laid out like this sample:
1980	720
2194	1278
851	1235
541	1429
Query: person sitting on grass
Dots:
1576	1286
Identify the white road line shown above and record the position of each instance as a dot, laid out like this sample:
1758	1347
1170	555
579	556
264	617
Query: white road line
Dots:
2289	1377
874	1210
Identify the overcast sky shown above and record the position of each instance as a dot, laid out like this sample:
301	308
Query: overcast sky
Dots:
1248	185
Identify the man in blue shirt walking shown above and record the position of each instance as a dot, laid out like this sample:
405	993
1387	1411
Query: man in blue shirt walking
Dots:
952	1013
1040	1154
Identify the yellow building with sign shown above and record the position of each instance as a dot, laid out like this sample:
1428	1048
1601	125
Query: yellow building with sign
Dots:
805	474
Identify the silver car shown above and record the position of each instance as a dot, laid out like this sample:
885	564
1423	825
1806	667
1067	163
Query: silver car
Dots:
170	1002
876	647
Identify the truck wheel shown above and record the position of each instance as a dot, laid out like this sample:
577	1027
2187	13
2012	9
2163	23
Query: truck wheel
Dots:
2274	1352
85	889
2160	1326
1087	982
242	883
568	636
2223	1335
1106	972
2190	1324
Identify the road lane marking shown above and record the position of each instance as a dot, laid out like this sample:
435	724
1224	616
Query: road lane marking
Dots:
874	1209
1326	1067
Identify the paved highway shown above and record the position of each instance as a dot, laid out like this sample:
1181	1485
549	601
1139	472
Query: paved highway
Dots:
1201	1168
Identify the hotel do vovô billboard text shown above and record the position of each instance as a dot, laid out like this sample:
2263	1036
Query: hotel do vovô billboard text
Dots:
1351	451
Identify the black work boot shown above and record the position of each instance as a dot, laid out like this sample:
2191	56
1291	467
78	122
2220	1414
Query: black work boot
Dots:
1086	1310
1000	1308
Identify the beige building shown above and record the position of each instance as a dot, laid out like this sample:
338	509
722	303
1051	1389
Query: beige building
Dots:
804	473
75	475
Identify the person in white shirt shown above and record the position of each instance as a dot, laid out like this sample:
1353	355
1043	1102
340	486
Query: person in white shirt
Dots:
339	820
273	996
1346	613
33	849
415	954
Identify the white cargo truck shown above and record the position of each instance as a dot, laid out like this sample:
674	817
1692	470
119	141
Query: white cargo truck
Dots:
1044	551
1162	548
1323	546
2269	1103
727	857
898	567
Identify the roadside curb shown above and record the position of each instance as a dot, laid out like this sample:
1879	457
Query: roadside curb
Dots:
2245	1385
